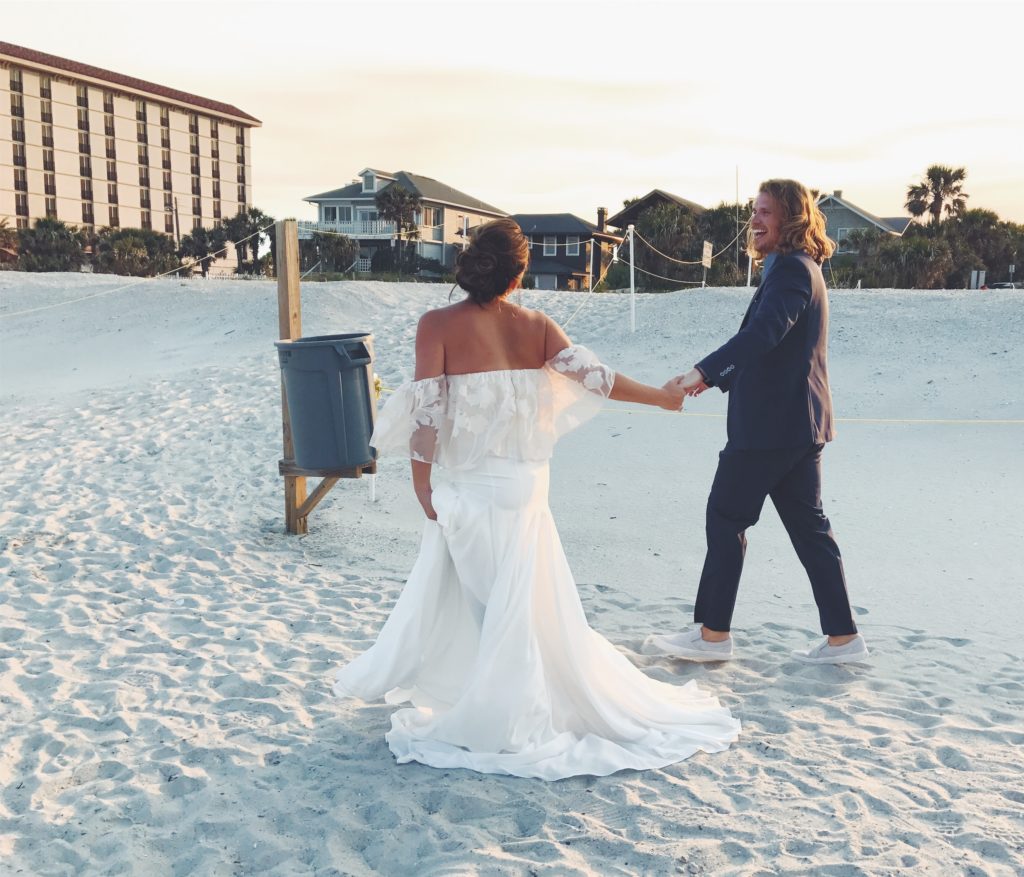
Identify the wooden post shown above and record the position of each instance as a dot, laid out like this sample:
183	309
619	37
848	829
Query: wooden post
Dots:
289	319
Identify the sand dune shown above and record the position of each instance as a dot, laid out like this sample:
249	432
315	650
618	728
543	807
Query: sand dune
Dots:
165	648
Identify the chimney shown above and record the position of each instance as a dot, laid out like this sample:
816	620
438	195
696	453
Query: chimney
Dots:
838	193
602	218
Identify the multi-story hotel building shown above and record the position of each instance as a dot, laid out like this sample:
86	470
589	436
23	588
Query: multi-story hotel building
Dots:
95	148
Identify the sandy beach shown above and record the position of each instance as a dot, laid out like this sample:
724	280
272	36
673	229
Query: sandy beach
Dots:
166	649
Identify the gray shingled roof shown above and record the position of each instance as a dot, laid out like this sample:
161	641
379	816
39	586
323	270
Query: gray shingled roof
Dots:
427	188
898	224
628	214
353	190
895	224
554	223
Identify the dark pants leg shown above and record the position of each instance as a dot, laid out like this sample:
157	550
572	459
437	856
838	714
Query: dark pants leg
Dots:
742	483
797	499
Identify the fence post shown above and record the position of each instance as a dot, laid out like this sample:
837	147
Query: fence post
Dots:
632	281
289	319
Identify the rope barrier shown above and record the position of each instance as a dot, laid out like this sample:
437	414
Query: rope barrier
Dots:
699	261
139	282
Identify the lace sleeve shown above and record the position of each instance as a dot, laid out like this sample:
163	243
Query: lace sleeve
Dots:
579	384
412	420
582	366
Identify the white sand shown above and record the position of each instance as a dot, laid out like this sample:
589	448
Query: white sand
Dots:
165	649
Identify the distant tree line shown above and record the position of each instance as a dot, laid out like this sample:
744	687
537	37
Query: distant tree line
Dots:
52	245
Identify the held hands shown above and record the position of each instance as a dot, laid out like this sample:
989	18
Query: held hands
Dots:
673	396
690	384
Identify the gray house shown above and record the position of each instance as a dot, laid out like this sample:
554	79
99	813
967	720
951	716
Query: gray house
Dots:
562	250
445	215
842	217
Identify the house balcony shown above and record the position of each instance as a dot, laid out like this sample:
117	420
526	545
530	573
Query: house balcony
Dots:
368	230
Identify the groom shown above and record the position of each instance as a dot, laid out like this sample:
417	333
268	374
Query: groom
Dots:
780	417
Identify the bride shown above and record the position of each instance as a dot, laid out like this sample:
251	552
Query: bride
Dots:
488	643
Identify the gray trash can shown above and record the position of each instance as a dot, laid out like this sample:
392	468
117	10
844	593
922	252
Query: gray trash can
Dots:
329	383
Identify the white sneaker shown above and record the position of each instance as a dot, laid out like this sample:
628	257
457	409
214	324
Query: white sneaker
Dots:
689	645
853	651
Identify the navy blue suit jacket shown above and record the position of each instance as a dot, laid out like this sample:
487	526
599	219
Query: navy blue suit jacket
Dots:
775	368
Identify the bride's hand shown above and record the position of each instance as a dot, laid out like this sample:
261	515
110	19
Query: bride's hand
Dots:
674	395
425	499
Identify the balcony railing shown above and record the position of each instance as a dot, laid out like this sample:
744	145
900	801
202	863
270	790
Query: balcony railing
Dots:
376	228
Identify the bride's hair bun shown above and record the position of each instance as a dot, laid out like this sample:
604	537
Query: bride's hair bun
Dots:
497	254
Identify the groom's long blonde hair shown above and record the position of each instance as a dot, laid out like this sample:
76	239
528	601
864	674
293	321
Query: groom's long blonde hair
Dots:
803	224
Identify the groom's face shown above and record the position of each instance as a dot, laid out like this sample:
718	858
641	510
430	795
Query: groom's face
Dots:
766	223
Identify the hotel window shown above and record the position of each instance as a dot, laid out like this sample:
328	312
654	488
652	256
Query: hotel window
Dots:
46	111
108	126
144	201
194	165
16	84
111	170
44	87
83	120
47	160
140	132
169	223
82	96
143	155
240	137
111	147
167	180
111	193
168	201
87	214
215	148
241	174
140	109
197	207
216	209
108	103
147	220
216	188
21	206
50	183
196	187
165	117
240	158
51	208
17	104
112	213
48	135
19	154
165	159
550	245
241	197
85	166
214	130
193	123
17	130
20	179
193	144
572	245
83	143
144	177
87	190
197	222
215	171
165	138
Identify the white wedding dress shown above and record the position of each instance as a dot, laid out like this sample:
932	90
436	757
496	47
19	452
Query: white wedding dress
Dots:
488	641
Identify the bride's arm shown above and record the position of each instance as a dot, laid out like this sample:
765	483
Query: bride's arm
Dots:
669	397
429	364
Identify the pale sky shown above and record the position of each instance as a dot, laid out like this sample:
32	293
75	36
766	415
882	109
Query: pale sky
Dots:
545	107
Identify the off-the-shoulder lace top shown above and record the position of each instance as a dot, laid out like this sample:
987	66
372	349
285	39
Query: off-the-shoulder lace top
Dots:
456	420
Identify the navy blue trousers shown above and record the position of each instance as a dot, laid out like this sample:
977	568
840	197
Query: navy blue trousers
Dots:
792	478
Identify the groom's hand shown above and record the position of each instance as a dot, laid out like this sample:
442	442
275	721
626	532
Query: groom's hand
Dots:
692	383
674	396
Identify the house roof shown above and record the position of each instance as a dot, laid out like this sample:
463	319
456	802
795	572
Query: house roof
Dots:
893	224
656	196
31	57
428	189
553	223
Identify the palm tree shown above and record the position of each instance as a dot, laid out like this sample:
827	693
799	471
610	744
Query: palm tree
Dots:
8	235
940	190
235	230
255	221
398	205
203	246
